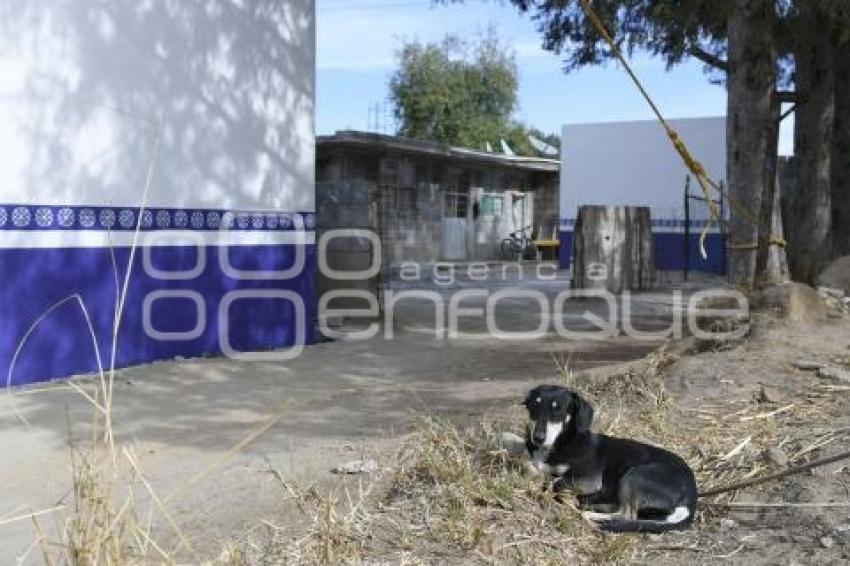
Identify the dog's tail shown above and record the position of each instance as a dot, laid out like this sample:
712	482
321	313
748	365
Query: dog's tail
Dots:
680	519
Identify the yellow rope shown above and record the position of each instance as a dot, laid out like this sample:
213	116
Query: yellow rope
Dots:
695	167
772	241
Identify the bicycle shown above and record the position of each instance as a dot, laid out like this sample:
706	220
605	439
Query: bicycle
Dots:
518	246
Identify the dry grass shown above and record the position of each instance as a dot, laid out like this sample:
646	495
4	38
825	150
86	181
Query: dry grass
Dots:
99	520
108	515
453	495
464	492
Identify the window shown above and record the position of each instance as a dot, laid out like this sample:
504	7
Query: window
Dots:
491	206
455	205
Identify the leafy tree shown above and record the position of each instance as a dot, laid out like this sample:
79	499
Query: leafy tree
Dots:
454	94
459	93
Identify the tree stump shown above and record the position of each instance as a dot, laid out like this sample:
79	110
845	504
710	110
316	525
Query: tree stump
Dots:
612	249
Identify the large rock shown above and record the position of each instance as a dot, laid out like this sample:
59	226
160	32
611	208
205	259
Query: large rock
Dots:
795	301
837	275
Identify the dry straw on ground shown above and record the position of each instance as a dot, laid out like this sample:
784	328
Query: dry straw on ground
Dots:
451	494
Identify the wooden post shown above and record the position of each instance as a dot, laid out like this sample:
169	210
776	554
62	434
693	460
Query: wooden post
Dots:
612	249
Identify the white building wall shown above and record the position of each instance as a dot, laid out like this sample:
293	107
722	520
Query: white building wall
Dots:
229	85
634	163
86	88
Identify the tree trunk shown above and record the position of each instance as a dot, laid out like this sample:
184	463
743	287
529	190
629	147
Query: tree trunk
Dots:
772	264
840	177
812	146
751	84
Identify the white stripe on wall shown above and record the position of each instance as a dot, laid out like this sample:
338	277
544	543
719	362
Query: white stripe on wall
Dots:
102	239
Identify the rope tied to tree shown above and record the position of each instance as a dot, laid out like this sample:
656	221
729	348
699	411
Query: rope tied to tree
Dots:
694	166
772	241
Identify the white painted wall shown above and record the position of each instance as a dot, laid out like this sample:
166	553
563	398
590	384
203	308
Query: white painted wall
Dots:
84	84
634	163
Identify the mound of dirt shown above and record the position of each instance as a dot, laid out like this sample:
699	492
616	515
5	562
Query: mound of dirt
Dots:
837	275
795	301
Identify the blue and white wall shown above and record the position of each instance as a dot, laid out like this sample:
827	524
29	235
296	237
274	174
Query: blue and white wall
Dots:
226	255
634	163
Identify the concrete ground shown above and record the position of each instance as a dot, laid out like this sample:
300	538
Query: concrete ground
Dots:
338	400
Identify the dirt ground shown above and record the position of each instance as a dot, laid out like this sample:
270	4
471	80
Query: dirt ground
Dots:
350	400
721	406
335	401
724	392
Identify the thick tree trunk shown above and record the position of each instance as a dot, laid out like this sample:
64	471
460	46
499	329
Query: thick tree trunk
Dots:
840	178
772	264
751	84
812	147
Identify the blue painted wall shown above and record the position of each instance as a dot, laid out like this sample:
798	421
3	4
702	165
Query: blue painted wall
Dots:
565	250
61	345
669	251
211	137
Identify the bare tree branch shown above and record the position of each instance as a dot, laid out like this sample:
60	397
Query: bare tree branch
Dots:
708	58
789	96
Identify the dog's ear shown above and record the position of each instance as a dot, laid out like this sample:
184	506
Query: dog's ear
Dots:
582	413
531	395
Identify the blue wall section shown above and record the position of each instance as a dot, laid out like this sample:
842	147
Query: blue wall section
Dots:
61	346
565	250
669	251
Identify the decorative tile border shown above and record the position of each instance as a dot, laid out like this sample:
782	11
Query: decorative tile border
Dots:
51	217
570	223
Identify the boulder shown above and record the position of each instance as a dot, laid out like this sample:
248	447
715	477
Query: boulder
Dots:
836	275
795	301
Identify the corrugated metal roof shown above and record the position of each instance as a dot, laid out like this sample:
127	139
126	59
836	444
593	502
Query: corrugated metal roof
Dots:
370	140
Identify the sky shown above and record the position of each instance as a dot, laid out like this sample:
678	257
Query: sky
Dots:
358	39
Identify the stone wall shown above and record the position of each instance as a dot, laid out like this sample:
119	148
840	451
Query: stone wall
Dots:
419	202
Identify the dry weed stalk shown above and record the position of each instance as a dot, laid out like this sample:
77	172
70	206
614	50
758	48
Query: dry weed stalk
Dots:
103	521
100	521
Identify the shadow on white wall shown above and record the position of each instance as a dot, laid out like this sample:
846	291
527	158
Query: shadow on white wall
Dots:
84	83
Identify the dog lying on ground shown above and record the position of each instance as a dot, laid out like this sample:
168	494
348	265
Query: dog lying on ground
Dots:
623	485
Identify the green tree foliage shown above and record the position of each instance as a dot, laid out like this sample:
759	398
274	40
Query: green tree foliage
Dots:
454	94
459	93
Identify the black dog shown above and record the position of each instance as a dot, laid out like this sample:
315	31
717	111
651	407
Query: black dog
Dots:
625	485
